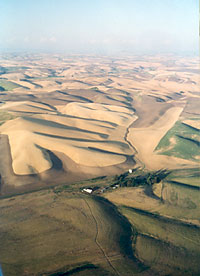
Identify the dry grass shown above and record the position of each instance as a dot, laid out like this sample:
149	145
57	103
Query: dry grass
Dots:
45	232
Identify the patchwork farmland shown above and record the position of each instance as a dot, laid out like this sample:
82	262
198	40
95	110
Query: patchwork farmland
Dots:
125	128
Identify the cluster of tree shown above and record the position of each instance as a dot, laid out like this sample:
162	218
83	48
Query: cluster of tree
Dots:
135	179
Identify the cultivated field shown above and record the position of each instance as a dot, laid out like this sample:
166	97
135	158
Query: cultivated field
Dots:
74	122
96	115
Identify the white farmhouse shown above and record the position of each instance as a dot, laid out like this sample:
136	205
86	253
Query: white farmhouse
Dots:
87	190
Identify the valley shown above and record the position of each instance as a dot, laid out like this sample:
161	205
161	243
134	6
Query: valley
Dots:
127	128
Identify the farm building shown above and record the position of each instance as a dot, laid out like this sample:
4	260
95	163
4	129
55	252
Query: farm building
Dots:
87	190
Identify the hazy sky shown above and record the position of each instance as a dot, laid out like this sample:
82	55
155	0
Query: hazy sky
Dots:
100	26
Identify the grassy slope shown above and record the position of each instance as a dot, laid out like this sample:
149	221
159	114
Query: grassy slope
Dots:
167	225
5	116
44	232
187	176
193	181
186	144
60	226
8	85
165	245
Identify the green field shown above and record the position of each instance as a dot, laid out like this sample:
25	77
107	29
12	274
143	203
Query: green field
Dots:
186	142
8	85
5	116
12	69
